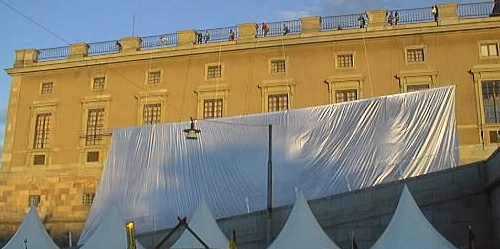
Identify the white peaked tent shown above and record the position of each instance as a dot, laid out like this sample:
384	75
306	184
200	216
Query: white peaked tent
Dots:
302	230
34	232
204	225
410	229
111	233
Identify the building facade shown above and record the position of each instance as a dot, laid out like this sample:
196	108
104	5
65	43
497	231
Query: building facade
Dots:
65	102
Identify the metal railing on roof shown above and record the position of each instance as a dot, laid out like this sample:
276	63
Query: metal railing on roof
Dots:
344	22
216	35
279	28
159	41
50	54
107	47
477	10
407	16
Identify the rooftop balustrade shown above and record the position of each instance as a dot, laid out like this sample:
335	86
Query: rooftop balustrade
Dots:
353	21
216	35
292	27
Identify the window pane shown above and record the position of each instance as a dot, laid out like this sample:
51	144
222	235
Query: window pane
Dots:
278	66
414	88
346	95
493	50
414	55
345	61
95	126
42	130
47	87
98	84
154	77
277	102
214	71
212	108
491	101
151	114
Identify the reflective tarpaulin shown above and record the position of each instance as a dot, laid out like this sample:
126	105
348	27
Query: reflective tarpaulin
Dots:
154	174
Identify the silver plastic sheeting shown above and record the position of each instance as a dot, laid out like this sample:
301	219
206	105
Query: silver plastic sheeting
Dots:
154	174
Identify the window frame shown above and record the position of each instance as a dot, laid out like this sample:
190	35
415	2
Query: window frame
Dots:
40	107
88	198
34	200
416	47
347	82
93	83
160	77
416	77
151	97
488	43
42	88
214	64
337	56
270	66
207	92
275	87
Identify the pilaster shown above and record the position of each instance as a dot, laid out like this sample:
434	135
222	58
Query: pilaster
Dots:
78	50
247	31
447	14
377	19
25	57
310	25
187	37
131	44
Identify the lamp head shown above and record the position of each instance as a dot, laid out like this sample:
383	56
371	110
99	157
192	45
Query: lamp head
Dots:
192	132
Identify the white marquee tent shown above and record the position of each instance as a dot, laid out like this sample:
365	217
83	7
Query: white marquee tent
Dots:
302	230
204	225
111	233
33	232
410	229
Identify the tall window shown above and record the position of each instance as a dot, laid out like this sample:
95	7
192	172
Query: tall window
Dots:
419	87
98	83
491	101
34	200
278	66
212	108
415	54
47	87
346	95
345	61
42	130
214	71
489	49
95	126
154	77
88	199
277	102
151	114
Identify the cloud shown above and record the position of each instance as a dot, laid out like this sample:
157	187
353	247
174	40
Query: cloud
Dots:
293	15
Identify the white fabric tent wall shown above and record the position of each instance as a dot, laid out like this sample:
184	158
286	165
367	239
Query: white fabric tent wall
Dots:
153	174
204	225
111	233
33	230
410	229
302	230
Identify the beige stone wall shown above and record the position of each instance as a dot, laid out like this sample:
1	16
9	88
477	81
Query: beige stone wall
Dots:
380	67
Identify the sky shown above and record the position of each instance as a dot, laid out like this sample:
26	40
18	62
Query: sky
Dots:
34	24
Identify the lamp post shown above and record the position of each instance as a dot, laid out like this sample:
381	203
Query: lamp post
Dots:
192	134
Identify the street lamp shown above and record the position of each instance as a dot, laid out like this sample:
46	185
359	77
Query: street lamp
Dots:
191	133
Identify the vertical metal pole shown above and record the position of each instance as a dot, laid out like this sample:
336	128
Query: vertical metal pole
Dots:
269	187
270	172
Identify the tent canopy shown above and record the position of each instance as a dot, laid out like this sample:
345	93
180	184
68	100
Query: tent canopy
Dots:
31	233
206	228
410	229
302	230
